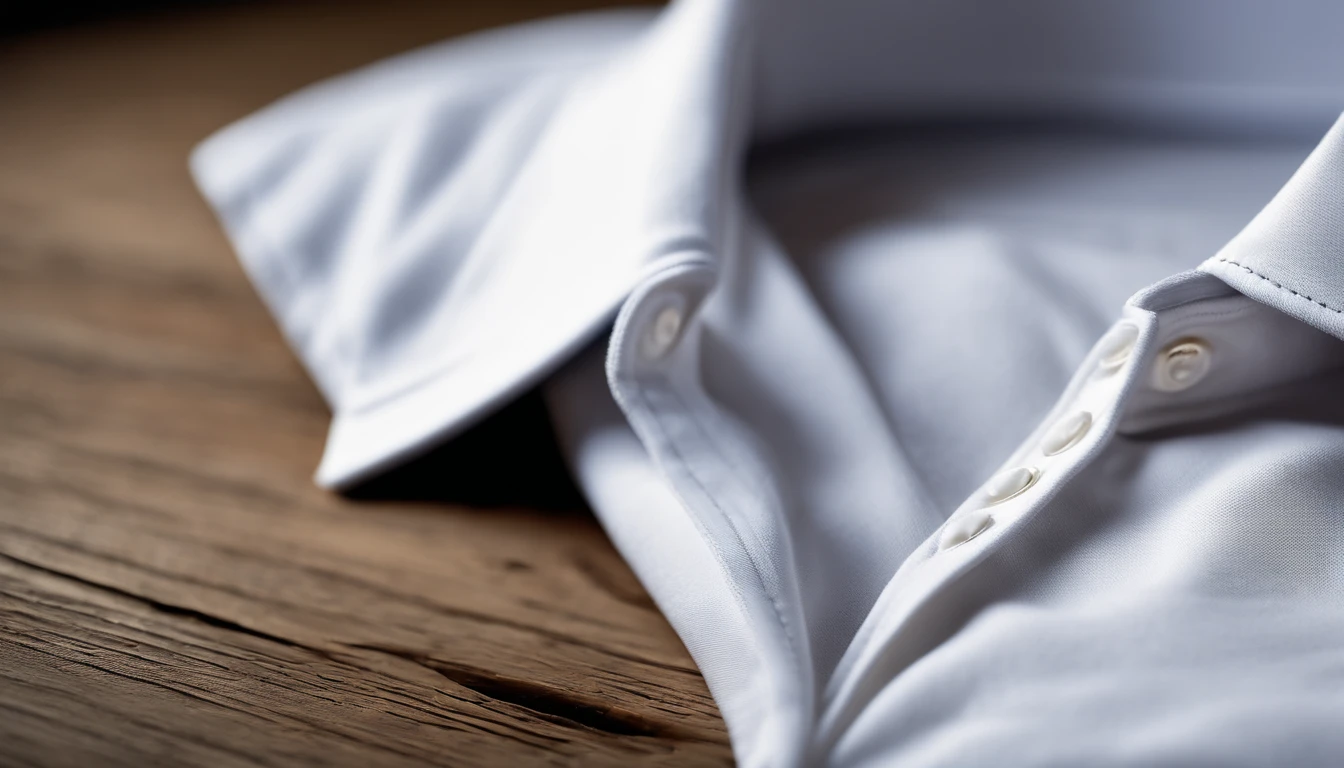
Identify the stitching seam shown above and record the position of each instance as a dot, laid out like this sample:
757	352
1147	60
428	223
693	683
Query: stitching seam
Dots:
1281	287
654	412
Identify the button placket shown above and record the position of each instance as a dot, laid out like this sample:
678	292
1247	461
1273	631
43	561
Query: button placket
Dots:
1100	388
1055	449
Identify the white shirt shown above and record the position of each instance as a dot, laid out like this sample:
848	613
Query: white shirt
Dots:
875	422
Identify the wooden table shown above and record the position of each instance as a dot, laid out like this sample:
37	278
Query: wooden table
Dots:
173	588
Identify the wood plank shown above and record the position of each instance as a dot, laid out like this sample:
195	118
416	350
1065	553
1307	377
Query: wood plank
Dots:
173	589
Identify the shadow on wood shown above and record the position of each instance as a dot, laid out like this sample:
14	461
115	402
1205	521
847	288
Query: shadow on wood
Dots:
510	459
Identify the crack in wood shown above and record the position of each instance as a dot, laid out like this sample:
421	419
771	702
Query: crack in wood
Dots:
449	720
553	704
382	591
168	608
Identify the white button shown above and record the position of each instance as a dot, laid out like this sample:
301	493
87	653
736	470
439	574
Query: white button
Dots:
1182	364
1066	433
662	333
964	527
1116	346
1006	485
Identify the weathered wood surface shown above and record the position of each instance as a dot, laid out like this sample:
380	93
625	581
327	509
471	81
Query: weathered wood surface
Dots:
173	589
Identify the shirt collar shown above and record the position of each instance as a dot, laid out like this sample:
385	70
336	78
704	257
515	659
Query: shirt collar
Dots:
635	167
632	158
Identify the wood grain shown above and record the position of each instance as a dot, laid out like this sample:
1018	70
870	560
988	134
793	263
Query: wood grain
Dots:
173	589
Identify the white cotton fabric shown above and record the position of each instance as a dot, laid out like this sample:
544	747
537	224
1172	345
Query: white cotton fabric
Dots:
855	259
